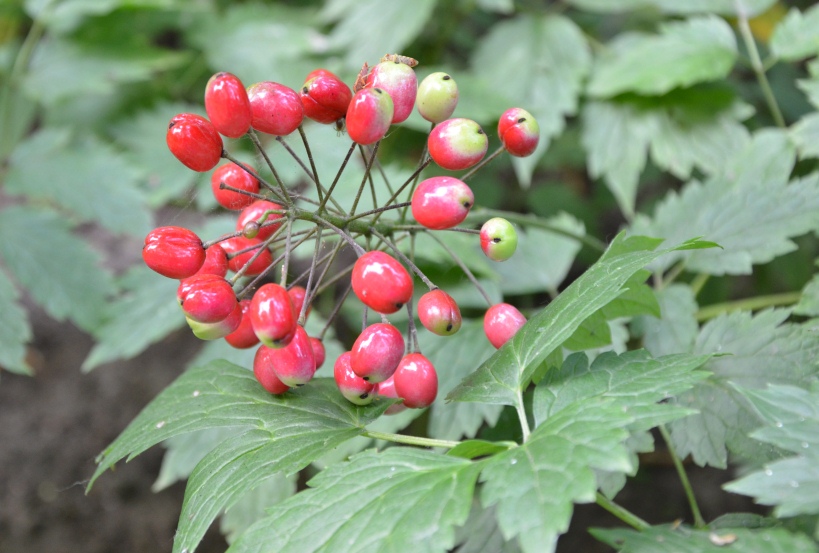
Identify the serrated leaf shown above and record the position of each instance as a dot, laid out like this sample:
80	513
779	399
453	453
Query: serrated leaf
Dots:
792	423
84	175
15	329
750	210
416	497
501	377
762	350
36	246
558	58
809	300
722	7
637	298
804	134
470	449
184	451
796	36
254	504
683	53
676	328
681	539
481	533
144	313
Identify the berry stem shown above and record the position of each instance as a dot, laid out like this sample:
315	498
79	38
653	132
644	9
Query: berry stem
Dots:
223	186
338	176
227	155
412	331
347	238
383	175
310	159
699	522
331	317
401	188
412	228
404	258
256	142
286	264
422	162
369	175
463	267
259	249
381	209
313	263
622	513
263	274
366	176
409	440
332	257
483	163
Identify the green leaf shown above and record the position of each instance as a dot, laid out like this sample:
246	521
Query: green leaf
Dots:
470	449
501	377
415	497
750	210
792	418
809	301
67	15
796	36
699	49
682	131
681	539
184	451
638	298
481	533
84	175
15	329
145	312
722	7
19	117
675	330
805	135
498	6
762	350
254	504
556	58
37	246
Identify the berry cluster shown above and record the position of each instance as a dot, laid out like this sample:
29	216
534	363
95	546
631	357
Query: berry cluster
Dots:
248	309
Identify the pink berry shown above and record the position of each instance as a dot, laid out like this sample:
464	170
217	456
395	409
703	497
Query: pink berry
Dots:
206	298
519	132
318	351
457	144
369	116
254	212
236	177
174	252
416	381
354	388
264	373
325	97
441	202
243	336
248	247
387	389
216	262
219	329
295	363
276	108
298	295
439	313
381	282
377	352
227	105
194	141
501	322
399	81
272	315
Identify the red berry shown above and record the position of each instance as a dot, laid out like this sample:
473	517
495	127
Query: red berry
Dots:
297	295
264	373
457	144
354	388
439	313
216	262
318	351
236	177
295	363
377	352
254	212
519	132
399	81
441	202
387	389
416	381
381	282
276	108
174	252
206	298
369	115
243	336
498	239
501	322
238	261
272	315
325	97
227	105
219	329
194	141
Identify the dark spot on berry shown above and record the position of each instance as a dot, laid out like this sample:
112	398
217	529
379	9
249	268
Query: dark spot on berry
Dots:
480	131
467	204
449	327
496	240
365	395
299	385
396	62
172	124
365	378
305	90
399	305
378	90
220	74
446	77
521	120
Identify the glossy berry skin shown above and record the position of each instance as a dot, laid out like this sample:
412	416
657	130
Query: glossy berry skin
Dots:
399	81
243	336
501	322
437	97
457	144
219	329
295	363
318	351
237	262
276	108
216	262
254	212
234	176
174	252
519	132
325	97
264	373
377	352
416	381
297	295
381	282
439	313
206	298
194	141
442	202
498	239
369	116
272	315
354	388
387	389
227	105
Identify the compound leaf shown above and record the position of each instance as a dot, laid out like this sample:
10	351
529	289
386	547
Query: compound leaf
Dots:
797	35
804	134
254	504
721	7
15	329
675	330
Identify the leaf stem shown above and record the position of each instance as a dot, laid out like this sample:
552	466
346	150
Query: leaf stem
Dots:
699	522
622	513
483	163
698	282
748	304
409	440
524	421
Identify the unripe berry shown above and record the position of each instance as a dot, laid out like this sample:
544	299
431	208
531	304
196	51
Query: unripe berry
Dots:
276	108
174	252
234	176
501	322
354	388
325	97
498	239
369	116
238	261
206	298
439	313
381	282
216	262
272	315
387	389
243	336
441	202
318	351
399	81
377	352
437	97
227	105
519	132
194	141
295	363
219	329
416	381
254	212
264	373
457	144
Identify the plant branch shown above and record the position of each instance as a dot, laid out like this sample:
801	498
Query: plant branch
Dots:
524	421
409	440
623	514
748	304
367	169
256	142
338	176
699	522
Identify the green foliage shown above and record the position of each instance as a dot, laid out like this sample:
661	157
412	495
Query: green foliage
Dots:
687	540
